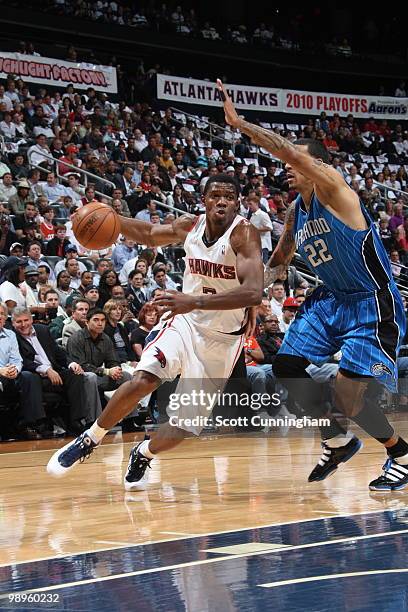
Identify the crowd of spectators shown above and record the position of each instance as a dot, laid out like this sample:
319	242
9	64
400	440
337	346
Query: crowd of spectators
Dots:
78	318
279	26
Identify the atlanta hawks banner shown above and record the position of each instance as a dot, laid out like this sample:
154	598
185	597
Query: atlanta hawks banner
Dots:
194	91
48	71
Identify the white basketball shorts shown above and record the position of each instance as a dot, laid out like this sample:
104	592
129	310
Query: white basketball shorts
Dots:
203	358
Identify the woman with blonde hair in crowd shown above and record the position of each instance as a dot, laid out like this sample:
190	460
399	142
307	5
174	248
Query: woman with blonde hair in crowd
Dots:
116	331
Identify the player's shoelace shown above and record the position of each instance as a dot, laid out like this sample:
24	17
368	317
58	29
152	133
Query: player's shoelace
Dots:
325	456
138	466
79	450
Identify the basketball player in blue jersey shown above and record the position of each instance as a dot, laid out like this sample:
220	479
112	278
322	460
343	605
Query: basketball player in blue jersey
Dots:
201	335
358	310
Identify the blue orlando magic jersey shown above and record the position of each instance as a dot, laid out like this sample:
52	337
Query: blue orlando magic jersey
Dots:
346	260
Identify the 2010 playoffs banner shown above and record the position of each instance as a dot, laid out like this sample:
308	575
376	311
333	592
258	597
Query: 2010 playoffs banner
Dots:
195	91
58	73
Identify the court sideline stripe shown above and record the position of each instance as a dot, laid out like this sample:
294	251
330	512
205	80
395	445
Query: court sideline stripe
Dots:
272	585
284	548
202	535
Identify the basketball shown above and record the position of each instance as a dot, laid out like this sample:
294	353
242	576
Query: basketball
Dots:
96	226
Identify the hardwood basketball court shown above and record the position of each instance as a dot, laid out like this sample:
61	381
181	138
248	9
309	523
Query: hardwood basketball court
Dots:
229	498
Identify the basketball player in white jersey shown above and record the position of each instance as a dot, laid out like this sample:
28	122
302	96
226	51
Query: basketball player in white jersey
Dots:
201	334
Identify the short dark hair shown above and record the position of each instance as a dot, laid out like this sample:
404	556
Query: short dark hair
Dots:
51	291
223	178
133	273
78	300
101	260
315	148
37	242
44	265
93	311
153	294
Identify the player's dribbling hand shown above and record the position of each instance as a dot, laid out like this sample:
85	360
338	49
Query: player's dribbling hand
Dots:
231	115
175	303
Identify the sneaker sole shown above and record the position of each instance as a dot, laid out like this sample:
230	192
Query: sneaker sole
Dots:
352	452
135	486
388	489
327	475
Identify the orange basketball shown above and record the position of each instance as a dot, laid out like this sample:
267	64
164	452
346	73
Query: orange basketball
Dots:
96	226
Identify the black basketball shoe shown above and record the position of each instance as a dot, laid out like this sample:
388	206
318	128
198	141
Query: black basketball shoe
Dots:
393	478
332	457
136	477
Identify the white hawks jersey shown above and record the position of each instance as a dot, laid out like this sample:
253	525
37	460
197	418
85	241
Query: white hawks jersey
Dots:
212	269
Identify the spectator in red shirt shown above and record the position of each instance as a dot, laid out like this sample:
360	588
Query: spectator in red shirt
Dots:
330	144
70	157
384	130
371	126
47	228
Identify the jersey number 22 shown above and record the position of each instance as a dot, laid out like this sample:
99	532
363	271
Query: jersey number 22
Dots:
317	252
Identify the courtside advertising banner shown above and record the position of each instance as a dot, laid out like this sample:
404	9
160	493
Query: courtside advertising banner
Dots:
305	102
193	91
48	71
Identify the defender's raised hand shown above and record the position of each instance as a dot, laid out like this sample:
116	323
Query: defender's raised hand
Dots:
231	115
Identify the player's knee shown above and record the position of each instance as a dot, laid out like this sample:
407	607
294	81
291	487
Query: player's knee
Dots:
143	383
350	389
290	366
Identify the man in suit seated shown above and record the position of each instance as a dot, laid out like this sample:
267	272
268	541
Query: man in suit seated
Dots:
42	355
80	308
18	389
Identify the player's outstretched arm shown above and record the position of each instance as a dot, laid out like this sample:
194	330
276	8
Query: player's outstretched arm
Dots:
323	175
284	251
153	234
246	242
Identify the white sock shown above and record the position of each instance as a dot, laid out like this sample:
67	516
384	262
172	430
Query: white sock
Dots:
403	460
339	440
97	433
144	449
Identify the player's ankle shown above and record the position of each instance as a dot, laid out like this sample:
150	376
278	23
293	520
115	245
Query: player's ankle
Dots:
145	450
97	433
399	451
339	440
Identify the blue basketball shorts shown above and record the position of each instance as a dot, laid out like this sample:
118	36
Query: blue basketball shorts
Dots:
367	328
